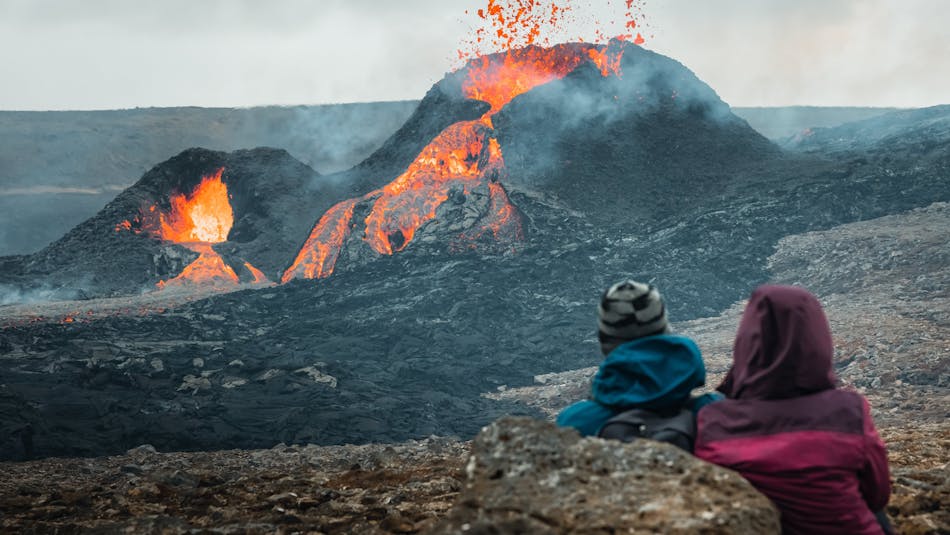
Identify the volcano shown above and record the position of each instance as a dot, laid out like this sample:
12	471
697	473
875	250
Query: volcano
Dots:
533	118
202	217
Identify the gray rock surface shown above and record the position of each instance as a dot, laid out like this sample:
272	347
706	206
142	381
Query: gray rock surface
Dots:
528	476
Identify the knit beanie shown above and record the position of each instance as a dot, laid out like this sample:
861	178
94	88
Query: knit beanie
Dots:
630	310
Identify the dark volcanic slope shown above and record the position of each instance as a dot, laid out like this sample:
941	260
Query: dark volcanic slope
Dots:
923	129
95	258
443	105
892	345
399	348
627	141
391	353
782	122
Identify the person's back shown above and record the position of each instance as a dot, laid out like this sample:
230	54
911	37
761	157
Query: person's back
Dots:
808	446
646	366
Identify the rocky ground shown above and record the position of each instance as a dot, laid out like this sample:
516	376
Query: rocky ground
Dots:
400	488
884	284
528	476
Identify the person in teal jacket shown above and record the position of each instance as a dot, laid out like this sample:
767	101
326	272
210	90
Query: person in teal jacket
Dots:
647	367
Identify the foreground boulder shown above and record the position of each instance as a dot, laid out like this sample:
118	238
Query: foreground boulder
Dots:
528	476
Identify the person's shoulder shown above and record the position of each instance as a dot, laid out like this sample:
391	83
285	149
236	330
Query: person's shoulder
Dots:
840	397
586	416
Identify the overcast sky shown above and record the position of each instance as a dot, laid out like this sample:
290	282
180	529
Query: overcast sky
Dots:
102	54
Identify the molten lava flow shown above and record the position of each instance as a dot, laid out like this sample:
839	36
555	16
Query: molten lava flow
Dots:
258	275
605	61
466	151
209	269
318	255
456	156
503	221
203	216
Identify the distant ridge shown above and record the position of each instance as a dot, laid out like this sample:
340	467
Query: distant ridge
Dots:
783	121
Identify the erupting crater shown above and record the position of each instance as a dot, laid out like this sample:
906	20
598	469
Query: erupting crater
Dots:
196	221
465	156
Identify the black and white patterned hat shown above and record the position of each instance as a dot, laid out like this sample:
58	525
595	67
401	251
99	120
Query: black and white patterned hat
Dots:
630	310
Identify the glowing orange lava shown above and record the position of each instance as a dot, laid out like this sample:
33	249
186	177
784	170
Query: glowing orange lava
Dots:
318	255
607	61
257	275
194	220
503	221
498	78
204	216
209	269
467	152
456	156
506	25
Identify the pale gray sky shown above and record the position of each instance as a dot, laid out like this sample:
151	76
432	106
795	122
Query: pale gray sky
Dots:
101	54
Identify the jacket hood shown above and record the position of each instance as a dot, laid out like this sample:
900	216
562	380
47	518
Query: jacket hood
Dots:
654	372
783	347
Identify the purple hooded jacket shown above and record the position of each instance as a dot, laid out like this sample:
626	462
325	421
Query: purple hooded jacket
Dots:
810	447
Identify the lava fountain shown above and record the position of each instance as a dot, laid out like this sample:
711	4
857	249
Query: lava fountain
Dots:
195	221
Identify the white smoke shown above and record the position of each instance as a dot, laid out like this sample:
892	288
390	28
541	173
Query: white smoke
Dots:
13	295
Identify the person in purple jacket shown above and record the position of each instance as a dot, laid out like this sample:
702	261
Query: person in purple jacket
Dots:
810	447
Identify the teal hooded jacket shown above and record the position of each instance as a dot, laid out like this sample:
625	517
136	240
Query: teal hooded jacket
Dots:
654	372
